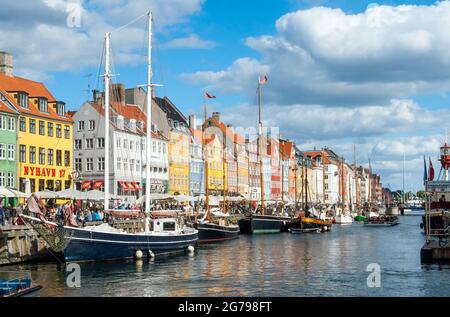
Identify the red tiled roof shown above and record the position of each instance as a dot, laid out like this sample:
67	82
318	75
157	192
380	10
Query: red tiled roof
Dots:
323	154
3	105
33	89
286	148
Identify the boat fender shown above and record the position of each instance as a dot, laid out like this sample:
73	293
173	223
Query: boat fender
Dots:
190	249
151	254
325	228
138	254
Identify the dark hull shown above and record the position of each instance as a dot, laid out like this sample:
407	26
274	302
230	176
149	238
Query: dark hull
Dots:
96	246
210	232
256	224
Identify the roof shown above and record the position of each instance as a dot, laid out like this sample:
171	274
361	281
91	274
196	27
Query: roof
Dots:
236	137
286	148
170	109
8	105
33	89
325	157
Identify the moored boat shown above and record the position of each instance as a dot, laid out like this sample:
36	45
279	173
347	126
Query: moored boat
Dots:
257	223
381	221
15	284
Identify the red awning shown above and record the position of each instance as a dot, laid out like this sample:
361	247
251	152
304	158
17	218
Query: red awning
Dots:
137	186
123	185
130	186
86	185
98	184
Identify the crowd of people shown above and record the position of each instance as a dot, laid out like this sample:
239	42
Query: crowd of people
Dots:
9	215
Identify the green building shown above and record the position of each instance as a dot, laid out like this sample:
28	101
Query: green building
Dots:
8	142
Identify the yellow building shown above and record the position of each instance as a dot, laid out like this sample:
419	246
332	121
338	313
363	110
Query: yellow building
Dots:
44	135
214	152
179	141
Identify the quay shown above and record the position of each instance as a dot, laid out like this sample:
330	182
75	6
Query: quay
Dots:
435	251
19	244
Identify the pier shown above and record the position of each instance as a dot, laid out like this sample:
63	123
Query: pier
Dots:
20	244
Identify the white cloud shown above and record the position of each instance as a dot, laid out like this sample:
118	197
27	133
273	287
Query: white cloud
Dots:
326	56
193	41
37	34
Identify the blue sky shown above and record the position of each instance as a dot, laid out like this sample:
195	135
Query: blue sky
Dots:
340	72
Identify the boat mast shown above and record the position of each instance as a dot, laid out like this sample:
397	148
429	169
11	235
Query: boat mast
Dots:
306	186
403	194
107	84
295	185
303	184
261	174
148	139
205	156
323	177
224	178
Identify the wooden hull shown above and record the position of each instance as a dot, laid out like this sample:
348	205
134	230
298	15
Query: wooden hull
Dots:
211	232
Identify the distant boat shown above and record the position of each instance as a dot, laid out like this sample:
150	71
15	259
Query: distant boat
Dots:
381	221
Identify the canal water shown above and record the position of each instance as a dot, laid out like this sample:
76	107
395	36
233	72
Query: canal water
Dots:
314	264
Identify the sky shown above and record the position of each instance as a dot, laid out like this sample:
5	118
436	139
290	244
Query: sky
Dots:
369	80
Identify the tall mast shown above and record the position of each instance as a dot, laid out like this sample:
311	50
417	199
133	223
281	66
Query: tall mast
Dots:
205	155
306	186
403	195
224	178
260	153
107	83
148	138
303	184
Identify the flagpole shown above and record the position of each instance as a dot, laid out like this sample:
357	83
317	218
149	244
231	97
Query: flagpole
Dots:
205	156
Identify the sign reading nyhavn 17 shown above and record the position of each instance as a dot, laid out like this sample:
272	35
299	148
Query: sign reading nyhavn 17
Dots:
43	172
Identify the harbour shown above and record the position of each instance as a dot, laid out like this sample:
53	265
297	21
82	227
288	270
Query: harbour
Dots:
331	264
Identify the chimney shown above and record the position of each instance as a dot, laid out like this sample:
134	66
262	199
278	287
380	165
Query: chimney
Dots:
6	64
216	115
97	96
118	93
192	122
120	122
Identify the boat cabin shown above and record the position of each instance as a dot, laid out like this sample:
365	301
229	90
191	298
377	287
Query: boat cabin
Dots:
163	225
438	195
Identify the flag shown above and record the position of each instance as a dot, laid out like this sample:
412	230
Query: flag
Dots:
430	171
209	96
425	175
264	79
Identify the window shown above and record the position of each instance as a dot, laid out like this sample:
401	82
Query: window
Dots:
50	156
66	132
89	164
159	147
58	157
11	179
125	164
125	144
32	158
41	127
169	226
43	105
58	131
78	144
2	122
41	184
22	124
154	146
119	163
131	145
100	143
2	151
23	100
11	152
131	165
50	129
101	164
60	108
32	126
66	158
138	163
41	156
91	124
2	178
22	153
78	165
11	124
119	143
80	125
89	143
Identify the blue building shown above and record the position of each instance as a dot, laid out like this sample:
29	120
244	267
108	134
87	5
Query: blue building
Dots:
196	162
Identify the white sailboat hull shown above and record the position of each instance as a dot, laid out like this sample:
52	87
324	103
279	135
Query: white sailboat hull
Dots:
344	220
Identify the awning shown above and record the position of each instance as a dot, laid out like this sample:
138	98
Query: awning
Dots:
130	186
137	186
98	184
86	184
123	185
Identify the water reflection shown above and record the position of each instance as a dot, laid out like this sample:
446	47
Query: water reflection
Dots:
328	264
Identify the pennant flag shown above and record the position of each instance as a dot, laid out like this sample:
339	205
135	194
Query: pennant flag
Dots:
425	175
264	79
430	171
209	96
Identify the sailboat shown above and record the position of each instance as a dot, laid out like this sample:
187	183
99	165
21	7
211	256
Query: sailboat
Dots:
162	232
215	226
342	215
262	222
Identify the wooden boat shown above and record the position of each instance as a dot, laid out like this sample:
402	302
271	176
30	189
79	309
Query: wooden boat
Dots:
303	224
381	221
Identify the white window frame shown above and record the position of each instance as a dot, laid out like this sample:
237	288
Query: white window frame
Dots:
11	152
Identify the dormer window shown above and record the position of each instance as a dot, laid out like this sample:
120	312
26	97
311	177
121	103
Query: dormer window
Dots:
60	108
22	99
43	104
